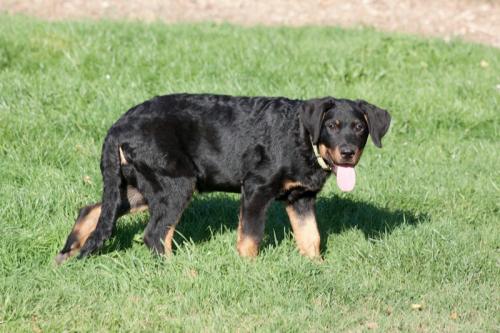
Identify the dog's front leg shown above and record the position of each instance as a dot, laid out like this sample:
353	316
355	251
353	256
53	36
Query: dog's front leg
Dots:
303	220
255	199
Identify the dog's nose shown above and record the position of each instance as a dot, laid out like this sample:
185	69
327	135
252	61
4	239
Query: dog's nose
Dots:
346	152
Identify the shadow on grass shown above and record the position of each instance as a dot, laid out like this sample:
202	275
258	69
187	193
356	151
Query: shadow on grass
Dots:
208	215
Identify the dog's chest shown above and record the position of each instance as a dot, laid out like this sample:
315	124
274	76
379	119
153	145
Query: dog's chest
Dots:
296	187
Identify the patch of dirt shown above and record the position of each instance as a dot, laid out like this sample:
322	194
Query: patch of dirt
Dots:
472	20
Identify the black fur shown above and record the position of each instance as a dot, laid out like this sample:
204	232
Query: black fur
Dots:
176	144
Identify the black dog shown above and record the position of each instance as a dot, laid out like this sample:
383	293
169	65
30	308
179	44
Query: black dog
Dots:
161	151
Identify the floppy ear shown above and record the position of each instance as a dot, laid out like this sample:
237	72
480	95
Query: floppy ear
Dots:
311	115
378	121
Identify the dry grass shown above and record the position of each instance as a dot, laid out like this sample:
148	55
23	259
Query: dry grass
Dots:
473	20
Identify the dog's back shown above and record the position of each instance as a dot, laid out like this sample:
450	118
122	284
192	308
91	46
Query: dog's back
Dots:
217	137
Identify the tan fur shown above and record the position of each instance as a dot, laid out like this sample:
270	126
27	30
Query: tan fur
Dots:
246	246
305	231
290	184
84	227
335	153
323	151
168	240
357	156
81	231
169	236
123	161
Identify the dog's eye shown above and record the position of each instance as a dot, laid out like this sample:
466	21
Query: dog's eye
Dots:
333	124
359	127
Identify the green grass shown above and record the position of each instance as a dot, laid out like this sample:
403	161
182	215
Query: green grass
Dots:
421	227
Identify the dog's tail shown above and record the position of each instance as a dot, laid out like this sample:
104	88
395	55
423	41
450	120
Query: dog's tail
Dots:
112	183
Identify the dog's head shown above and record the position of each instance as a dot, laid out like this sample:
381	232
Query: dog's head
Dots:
340	128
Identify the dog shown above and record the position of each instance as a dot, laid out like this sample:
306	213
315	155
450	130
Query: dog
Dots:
266	148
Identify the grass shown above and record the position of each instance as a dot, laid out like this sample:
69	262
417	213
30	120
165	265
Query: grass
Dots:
421	227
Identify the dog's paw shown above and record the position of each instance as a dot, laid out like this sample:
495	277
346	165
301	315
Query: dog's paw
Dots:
61	257
154	244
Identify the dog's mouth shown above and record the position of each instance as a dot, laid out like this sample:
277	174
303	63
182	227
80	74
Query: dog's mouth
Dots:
346	176
344	170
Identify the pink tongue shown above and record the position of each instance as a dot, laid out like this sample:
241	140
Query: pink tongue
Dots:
346	178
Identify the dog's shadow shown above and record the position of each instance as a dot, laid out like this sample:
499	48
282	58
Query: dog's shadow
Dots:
218	213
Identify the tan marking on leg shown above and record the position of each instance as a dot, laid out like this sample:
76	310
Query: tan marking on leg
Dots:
168	240
123	161
246	246
305	231
84	227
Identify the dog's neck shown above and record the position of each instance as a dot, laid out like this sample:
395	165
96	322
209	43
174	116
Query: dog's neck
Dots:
307	143
319	158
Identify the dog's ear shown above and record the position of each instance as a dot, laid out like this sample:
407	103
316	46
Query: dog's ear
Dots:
311	115
378	121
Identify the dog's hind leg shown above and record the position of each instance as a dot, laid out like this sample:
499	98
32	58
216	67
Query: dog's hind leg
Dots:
86	222
114	185
167	206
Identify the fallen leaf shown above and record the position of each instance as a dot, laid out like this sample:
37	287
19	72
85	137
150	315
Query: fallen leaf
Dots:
454	315
87	180
371	325
418	307
484	63
192	273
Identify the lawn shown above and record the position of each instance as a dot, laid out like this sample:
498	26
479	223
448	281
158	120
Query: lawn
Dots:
415	247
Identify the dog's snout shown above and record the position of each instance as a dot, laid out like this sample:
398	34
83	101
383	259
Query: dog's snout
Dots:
347	152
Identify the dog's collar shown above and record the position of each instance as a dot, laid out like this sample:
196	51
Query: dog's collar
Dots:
320	159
